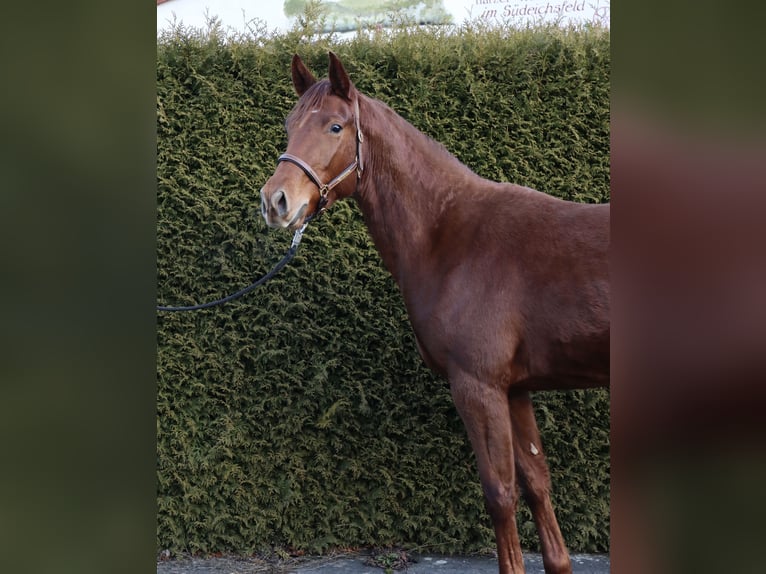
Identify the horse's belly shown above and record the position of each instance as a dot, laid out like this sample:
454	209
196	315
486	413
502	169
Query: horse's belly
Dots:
578	363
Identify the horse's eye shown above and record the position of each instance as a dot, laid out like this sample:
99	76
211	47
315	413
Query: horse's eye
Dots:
335	128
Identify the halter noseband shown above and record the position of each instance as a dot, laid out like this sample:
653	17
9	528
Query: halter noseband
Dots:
324	188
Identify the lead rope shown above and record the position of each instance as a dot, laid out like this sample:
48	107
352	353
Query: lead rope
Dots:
260	281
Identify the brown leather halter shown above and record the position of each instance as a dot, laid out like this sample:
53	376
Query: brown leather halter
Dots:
324	188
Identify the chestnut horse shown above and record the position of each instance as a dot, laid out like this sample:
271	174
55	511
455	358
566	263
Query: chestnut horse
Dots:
506	288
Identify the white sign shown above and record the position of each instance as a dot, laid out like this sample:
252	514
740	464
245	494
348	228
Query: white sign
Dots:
243	15
524	12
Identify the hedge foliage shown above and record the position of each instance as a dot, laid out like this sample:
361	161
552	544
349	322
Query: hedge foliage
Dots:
302	416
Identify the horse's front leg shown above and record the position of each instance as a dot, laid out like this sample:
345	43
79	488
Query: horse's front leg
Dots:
535	482
486	415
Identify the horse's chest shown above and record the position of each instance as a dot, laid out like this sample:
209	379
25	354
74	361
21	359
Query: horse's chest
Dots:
432	338
461	329
427	357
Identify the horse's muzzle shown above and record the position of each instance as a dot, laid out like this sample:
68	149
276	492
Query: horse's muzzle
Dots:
277	212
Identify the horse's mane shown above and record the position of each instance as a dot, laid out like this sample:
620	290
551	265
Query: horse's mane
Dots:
390	126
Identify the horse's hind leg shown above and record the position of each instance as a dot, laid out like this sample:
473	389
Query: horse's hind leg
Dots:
535	483
485	413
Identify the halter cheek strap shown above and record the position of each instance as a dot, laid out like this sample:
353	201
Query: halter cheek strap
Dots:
324	188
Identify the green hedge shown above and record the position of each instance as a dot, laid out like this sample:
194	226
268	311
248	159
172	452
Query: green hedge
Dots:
302	416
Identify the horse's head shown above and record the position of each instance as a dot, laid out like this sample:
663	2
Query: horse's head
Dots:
323	157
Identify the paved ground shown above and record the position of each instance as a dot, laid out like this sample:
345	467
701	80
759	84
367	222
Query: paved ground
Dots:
360	564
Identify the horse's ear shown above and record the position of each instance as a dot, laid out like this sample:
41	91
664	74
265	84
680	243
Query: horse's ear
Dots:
341	85
302	78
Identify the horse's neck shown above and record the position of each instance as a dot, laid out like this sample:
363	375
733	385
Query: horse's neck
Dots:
410	182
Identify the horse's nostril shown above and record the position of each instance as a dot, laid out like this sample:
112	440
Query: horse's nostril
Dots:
280	202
